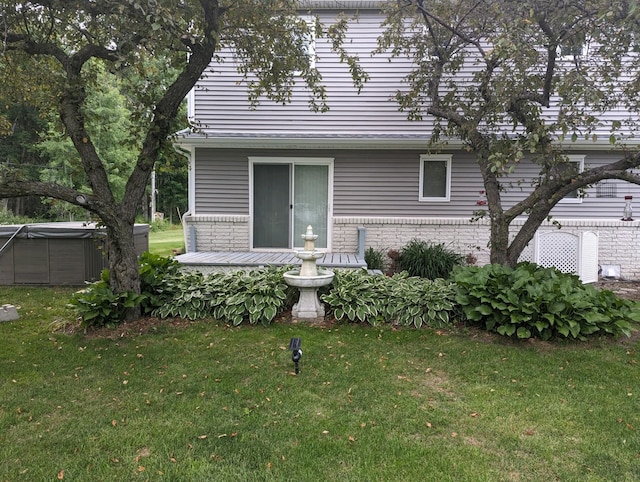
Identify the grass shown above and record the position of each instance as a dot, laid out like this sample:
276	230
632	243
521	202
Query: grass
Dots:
209	402
163	241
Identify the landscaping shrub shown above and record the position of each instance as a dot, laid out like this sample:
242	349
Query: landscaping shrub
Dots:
257	296
531	301
428	260
419	301
357	296
98	306
154	272
374	258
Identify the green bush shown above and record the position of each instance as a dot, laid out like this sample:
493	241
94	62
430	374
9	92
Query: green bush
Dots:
530	301
154	271
374	258
428	260
419	301
98	306
257	296
357	296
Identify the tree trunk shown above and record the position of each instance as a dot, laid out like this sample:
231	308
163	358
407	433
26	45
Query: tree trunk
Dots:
123	262
499	240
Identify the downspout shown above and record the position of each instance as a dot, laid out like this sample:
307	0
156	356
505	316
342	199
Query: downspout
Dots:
188	152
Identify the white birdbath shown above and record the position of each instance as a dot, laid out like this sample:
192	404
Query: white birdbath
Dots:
308	279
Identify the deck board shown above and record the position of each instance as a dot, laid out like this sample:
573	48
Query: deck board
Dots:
258	258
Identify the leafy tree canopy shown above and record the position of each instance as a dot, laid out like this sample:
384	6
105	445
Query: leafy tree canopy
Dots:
512	80
158	49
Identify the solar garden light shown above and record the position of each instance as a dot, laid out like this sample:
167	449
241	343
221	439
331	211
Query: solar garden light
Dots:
296	352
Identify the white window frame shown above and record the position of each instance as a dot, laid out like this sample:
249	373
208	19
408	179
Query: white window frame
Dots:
424	158
310	43
579	160
292	162
586	49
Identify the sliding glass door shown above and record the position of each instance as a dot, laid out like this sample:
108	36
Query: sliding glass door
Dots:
287	197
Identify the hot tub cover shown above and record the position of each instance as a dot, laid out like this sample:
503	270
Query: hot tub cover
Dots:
60	230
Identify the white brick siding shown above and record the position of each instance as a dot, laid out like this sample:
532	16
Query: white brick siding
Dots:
618	241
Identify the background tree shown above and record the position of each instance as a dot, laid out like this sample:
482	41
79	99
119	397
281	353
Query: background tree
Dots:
121	34
527	89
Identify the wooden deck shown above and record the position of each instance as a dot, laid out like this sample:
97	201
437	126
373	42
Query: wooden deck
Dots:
256	259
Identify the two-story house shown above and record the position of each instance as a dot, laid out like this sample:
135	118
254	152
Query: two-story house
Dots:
362	173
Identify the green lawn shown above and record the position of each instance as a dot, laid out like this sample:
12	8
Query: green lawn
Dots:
208	402
163	242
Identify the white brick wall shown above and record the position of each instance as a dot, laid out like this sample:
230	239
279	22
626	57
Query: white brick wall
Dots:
618	241
219	233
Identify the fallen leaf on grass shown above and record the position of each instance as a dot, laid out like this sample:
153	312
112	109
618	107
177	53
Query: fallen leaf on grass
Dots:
428	424
61	475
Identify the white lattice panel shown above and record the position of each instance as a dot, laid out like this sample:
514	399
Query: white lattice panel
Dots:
528	253
570	253
559	250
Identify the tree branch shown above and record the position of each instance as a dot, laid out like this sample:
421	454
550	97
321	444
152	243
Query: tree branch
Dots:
12	188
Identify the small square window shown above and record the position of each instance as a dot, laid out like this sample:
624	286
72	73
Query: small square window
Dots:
574	165
435	178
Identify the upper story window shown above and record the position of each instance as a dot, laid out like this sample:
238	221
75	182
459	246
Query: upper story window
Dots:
576	47
574	165
435	178
305	44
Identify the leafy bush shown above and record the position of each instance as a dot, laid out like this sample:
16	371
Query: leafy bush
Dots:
7	217
99	306
428	260
154	271
374	258
530	301
254	296
418	301
357	297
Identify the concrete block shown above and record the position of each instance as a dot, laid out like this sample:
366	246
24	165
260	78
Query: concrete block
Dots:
8	313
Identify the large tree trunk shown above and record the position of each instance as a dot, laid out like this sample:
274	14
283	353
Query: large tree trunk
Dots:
123	262
499	240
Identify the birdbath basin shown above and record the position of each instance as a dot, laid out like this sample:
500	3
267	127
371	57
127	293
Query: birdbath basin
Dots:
308	278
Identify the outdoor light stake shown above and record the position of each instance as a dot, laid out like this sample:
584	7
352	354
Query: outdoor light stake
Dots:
296	352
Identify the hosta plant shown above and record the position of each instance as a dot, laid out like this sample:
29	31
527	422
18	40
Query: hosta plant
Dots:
531	301
256	296
357	296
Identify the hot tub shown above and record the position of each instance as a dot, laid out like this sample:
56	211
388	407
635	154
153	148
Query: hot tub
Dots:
57	253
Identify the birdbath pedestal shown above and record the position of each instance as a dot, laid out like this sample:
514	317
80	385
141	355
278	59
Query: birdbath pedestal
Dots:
308	279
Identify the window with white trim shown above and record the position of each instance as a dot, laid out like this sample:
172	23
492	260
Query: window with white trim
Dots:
305	44
574	165
435	178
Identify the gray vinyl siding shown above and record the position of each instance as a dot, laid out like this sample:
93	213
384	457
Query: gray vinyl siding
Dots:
221	105
386	183
221	181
